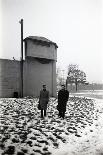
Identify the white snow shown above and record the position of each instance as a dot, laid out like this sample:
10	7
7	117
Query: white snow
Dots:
80	133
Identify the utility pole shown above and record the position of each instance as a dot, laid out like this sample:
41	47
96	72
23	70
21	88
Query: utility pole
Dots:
21	61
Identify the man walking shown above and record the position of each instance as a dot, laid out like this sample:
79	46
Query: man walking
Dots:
43	99
63	96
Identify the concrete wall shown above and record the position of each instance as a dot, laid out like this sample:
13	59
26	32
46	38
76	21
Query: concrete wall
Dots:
39	68
9	77
36	50
36	74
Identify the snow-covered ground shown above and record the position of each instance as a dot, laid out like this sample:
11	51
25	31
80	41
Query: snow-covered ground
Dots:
98	94
23	132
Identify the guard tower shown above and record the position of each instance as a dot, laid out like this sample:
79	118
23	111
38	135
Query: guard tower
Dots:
39	65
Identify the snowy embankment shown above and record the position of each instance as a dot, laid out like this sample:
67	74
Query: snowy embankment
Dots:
23	132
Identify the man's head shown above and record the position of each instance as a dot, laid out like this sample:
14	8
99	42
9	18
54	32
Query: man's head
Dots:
63	86
44	87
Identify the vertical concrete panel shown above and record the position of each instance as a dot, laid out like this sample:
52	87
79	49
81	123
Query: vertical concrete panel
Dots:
37	75
54	94
9	77
36	50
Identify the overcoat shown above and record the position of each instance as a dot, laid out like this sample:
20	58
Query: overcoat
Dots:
44	99
63	96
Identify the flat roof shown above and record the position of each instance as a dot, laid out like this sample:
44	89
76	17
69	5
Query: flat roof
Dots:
41	40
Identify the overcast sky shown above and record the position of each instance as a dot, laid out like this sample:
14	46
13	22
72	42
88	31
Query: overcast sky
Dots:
75	25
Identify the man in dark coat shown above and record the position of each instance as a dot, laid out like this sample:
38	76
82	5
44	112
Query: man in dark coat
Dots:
63	96
43	100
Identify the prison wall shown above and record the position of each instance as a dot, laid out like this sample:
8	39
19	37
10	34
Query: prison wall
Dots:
40	66
9	77
36	74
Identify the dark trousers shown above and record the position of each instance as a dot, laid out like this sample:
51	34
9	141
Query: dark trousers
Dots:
62	114
43	113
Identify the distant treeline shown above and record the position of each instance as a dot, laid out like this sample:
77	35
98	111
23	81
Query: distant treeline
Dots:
93	86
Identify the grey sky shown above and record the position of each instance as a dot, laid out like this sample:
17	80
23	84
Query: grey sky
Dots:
75	25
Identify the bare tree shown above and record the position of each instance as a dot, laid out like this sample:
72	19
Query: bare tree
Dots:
75	75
